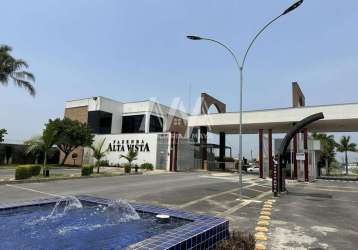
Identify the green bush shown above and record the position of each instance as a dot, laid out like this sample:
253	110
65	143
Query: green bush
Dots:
147	166
27	171
87	170
35	170
238	241
22	172
103	163
127	168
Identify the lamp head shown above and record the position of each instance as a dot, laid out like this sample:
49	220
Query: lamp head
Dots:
293	7
195	38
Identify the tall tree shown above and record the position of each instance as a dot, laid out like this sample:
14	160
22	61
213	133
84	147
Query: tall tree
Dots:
98	153
327	149
70	135
42	144
3	132
12	69
346	146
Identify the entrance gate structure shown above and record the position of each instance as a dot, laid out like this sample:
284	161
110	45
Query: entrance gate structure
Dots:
278	178
337	118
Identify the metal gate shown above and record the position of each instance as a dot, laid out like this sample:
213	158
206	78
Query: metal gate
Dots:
162	151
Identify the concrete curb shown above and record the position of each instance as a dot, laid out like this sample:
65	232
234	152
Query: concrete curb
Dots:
338	178
262	228
62	178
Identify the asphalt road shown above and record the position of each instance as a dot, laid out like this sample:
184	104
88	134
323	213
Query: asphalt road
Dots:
199	192
320	215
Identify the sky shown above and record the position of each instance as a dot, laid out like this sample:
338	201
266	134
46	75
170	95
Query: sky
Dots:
131	50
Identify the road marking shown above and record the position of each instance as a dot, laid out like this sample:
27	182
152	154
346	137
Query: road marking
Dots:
217	204
263	223
230	179
264	217
333	190
265	213
210	197
255	190
245	203
235	208
36	191
260	236
254	201
261	229
260	246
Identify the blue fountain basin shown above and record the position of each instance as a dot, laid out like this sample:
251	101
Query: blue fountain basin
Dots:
94	226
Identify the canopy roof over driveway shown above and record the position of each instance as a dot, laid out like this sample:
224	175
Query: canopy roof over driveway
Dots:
337	118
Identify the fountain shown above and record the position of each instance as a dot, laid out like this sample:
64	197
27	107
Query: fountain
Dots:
120	211
81	223
65	205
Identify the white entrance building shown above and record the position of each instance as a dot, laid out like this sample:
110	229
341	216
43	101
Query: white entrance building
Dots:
174	140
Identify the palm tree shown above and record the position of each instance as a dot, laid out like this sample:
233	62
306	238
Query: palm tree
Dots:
12	69
42	144
130	156
35	147
3	132
98	154
345	146
327	150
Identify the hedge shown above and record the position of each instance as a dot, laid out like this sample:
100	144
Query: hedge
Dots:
27	171
103	163
147	166
87	170
35	170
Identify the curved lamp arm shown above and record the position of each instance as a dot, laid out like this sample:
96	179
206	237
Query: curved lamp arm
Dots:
257	35
288	10
231	51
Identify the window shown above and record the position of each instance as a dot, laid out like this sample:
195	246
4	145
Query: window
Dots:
155	124
100	122
133	124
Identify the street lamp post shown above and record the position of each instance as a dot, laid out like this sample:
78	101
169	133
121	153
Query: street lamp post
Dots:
241	69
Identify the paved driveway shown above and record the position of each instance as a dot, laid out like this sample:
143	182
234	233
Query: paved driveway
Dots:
320	215
199	192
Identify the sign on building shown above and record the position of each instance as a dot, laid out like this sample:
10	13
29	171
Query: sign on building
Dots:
300	156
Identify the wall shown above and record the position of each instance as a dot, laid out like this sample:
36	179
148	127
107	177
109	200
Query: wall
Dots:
80	114
170	115
163	151
118	145
94	104
114	107
186	159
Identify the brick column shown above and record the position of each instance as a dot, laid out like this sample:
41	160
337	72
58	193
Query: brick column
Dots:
270	152
171	158
174	140
294	157
305	145
261	153
222	145
203	144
